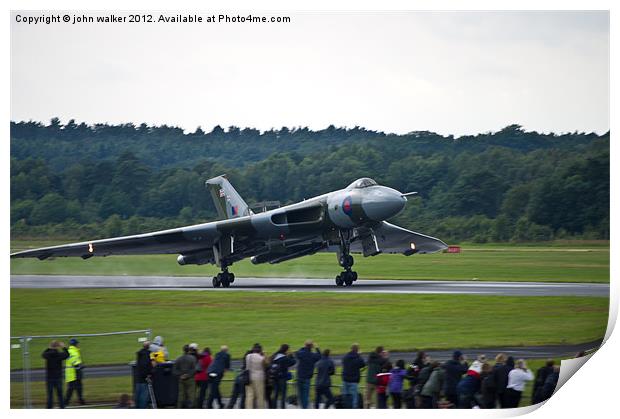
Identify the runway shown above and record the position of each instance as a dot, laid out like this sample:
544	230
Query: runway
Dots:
312	285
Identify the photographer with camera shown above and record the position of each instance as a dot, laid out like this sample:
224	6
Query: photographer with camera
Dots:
306	359
279	374
53	371
216	370
352	364
143	372
454	370
516	383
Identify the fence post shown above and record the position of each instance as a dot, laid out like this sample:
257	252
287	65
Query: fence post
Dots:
26	371
24	384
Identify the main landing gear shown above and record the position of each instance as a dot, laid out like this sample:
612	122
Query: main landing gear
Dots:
346	278
346	261
223	279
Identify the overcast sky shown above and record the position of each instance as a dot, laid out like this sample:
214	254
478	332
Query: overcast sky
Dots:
448	72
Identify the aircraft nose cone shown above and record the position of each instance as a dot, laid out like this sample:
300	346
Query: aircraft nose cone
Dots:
383	203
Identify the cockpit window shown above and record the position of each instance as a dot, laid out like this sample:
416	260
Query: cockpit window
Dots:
362	183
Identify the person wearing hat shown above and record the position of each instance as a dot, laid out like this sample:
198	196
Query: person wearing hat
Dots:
453	371
73	372
159	353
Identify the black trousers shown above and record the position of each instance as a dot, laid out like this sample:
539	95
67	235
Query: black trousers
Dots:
321	391
503	399
238	392
279	393
269	403
513	397
382	399
202	392
214	392
489	400
427	402
453	398
465	401
77	386
396	400
54	384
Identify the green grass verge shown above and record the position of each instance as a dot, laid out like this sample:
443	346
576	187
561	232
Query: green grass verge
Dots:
96	391
238	319
501	262
108	390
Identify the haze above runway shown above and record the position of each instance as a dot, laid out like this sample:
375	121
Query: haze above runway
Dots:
312	285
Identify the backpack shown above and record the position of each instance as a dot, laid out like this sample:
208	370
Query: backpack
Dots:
423	377
489	382
244	377
273	372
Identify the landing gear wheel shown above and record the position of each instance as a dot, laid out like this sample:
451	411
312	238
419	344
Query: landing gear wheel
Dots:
354	275
346	261
348	280
231	277
223	279
349	260
339	281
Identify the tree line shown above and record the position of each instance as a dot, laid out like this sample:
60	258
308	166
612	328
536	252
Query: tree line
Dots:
106	180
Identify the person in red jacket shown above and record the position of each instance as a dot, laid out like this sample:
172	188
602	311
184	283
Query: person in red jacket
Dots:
201	377
383	379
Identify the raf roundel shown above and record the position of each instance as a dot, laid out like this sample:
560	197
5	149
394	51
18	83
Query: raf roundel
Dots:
347	206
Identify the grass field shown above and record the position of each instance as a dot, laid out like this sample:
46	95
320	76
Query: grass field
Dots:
400	322
558	262
108	390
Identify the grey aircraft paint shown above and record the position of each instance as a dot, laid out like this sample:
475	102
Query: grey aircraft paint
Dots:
350	220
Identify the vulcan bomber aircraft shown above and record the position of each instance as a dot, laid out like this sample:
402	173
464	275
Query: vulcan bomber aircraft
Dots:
348	221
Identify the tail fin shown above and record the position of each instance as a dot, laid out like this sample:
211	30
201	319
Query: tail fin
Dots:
227	200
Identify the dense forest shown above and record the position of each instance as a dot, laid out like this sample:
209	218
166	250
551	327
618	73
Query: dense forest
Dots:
86	181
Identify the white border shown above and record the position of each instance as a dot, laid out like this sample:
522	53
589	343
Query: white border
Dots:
591	392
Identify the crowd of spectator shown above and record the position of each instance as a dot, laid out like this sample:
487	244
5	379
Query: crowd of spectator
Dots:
262	381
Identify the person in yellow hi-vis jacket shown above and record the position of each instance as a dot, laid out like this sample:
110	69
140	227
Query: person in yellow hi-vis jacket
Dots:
73	372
